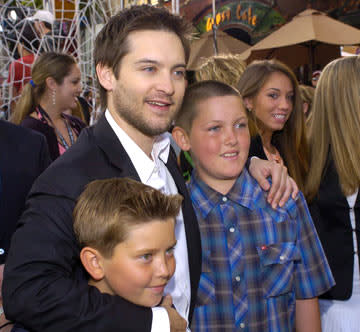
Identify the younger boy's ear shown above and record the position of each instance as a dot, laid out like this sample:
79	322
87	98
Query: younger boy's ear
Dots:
92	262
105	76
181	138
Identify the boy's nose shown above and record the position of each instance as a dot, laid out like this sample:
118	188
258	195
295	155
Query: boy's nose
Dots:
230	137
164	268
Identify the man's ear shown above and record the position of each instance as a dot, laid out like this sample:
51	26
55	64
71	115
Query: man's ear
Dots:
181	138
105	76
92	262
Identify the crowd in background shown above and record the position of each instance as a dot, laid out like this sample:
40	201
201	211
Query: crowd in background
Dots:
311	130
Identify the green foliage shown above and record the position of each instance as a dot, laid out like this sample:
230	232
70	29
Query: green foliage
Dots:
30	3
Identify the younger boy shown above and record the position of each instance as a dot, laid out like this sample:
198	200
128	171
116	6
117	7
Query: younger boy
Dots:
127	233
257	262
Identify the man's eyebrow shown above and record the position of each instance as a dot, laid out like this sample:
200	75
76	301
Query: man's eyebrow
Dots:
155	62
146	61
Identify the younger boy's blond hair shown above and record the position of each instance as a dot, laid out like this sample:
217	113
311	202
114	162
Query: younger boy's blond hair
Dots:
106	210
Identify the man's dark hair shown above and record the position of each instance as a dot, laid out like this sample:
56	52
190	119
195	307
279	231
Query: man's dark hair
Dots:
111	44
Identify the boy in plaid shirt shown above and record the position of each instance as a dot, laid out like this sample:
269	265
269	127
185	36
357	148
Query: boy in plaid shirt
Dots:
262	269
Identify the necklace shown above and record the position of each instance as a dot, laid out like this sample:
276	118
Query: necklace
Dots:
61	138
275	156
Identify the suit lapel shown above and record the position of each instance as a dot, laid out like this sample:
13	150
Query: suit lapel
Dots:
193	239
109	143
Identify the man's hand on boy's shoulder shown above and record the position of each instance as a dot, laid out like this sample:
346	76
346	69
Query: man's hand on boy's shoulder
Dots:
282	184
177	323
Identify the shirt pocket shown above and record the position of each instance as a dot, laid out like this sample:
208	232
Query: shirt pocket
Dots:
206	290
277	267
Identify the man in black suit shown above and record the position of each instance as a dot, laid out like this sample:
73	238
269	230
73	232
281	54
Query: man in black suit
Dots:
140	59
24	156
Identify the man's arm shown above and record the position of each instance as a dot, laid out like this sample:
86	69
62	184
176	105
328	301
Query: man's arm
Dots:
45	288
282	184
307	315
44	155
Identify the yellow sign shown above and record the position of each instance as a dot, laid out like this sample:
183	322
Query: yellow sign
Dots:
245	16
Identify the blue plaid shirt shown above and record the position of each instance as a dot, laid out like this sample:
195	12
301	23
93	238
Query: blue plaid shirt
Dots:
256	261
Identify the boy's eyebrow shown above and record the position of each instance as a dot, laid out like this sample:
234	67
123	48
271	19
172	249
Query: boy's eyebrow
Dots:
237	119
147	249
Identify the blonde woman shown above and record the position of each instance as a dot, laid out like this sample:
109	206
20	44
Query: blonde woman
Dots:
332	188
44	101
226	68
276	120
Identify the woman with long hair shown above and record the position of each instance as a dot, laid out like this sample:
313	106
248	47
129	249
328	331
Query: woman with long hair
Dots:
276	120
53	90
332	188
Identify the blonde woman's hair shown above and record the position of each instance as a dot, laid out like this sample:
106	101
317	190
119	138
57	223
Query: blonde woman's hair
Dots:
335	126
291	139
226	68
307	93
52	64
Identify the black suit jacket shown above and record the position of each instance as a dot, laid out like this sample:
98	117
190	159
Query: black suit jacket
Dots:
256	148
23	157
45	286
330	212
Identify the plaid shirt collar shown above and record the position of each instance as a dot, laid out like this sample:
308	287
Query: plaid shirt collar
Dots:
237	193
245	192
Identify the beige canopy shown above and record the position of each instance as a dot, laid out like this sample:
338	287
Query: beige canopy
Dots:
311	38
204	47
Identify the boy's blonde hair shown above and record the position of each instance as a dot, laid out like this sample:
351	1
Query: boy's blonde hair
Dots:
196	93
106	210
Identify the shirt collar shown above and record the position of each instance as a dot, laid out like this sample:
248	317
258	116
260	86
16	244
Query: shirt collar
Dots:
205	198
143	164
245	192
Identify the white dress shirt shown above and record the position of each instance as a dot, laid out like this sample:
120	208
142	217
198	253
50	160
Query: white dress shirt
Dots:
154	173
